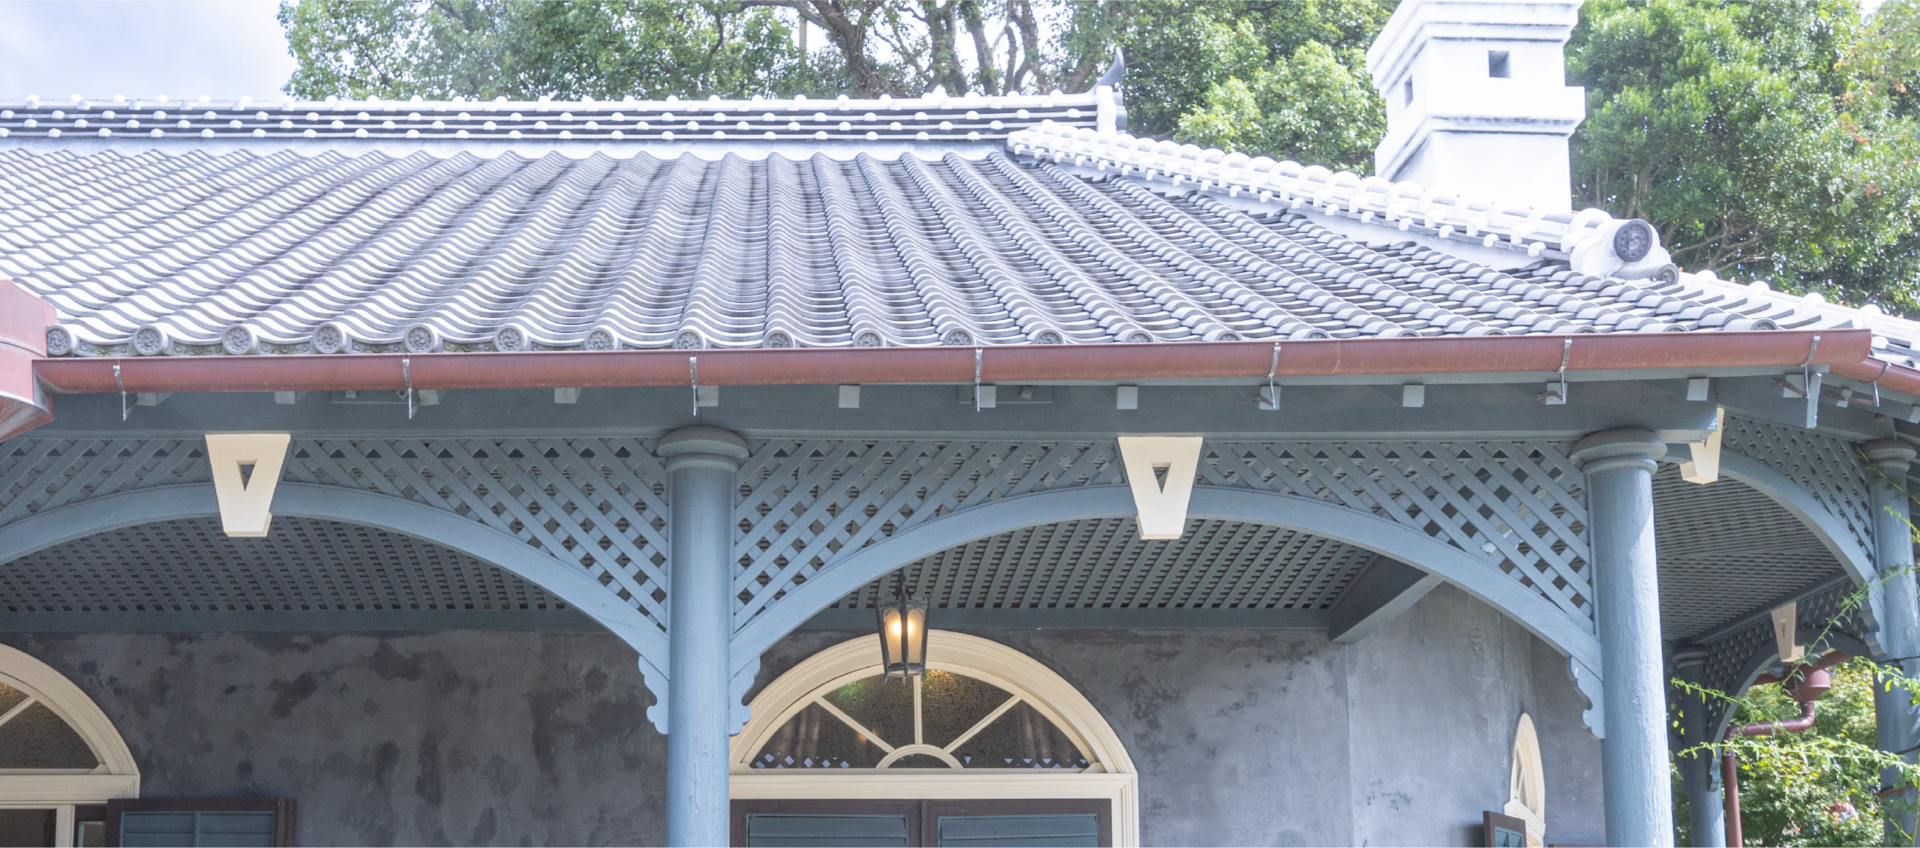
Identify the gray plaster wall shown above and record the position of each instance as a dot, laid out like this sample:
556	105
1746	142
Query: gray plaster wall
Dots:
444	738
1280	737
1241	736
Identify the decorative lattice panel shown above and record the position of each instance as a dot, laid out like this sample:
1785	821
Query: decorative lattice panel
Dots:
37	475
1731	656
1516	504
1828	468
304	564
804	501
1104	564
598	504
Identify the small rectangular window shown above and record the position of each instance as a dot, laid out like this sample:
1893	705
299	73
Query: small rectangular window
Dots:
1497	65
1406	91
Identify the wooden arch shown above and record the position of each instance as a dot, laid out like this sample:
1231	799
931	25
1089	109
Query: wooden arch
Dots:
1477	576
357	506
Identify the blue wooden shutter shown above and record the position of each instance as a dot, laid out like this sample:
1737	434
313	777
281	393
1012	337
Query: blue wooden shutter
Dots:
1065	830
784	830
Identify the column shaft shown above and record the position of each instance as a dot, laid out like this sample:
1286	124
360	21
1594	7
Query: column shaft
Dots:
1706	813
1619	465
701	464
1894	714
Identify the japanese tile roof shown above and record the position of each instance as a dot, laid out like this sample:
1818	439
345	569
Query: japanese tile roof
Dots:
1053	234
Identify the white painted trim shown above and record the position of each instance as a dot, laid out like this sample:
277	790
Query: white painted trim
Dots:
1162	507
246	501
1786	633
42	683
1527	783
1110	773
46	790
1703	464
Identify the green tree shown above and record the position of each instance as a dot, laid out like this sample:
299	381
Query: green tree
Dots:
1812	788
1285	79
1312	108
522	50
1742	131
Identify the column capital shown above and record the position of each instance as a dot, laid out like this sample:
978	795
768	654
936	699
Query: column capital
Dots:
1891	454
1618	449
700	445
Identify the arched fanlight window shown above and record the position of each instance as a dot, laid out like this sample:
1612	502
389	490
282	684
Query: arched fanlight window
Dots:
985	721
1526	784
936	720
57	750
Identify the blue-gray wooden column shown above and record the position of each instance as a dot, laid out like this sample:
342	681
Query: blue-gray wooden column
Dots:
1706	811
1619	465
1894	713
701	466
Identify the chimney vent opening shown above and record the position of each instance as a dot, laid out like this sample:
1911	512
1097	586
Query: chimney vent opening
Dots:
1497	65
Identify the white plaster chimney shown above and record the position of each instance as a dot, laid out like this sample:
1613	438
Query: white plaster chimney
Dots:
1477	100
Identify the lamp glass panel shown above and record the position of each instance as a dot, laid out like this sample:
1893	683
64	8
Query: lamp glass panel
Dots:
916	637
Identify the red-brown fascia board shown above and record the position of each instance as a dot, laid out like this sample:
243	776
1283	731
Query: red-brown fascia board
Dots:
1846	351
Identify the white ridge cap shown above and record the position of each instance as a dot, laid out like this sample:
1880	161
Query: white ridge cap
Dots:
1406	206
935	117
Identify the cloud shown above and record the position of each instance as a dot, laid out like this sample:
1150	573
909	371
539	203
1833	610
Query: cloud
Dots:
141	48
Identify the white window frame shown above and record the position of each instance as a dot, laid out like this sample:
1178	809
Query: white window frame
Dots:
1109	775
63	789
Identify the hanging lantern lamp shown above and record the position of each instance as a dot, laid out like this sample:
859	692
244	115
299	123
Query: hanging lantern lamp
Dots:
903	633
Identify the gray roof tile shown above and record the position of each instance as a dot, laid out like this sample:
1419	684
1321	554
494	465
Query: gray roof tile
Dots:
267	249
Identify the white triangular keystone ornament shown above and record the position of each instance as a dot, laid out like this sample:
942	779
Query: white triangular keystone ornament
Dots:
1162	507
246	499
1704	467
1786	632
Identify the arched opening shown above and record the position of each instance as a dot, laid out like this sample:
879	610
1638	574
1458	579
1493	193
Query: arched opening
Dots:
570	584
58	751
987	725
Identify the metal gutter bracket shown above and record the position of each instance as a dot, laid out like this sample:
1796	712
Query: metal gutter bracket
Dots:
1270	401
1553	396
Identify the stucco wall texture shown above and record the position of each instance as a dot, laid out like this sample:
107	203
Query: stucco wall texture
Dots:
1242	737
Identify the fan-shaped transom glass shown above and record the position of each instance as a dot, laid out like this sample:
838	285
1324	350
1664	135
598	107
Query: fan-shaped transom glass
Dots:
940	720
32	736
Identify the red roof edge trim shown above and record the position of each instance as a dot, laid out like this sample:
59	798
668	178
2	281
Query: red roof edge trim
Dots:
1847	351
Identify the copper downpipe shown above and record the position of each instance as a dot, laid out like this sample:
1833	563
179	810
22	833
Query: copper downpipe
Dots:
1805	685
1542	355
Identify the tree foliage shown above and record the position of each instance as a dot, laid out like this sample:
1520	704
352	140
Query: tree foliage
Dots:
522	50
1812	788
1757	136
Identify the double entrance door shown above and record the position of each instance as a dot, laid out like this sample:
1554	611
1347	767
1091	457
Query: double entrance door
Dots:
1031	823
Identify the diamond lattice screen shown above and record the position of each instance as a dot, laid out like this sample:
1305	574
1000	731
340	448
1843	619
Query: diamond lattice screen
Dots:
1103	563
303	564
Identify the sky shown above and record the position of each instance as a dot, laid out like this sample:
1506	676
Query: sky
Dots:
142	48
